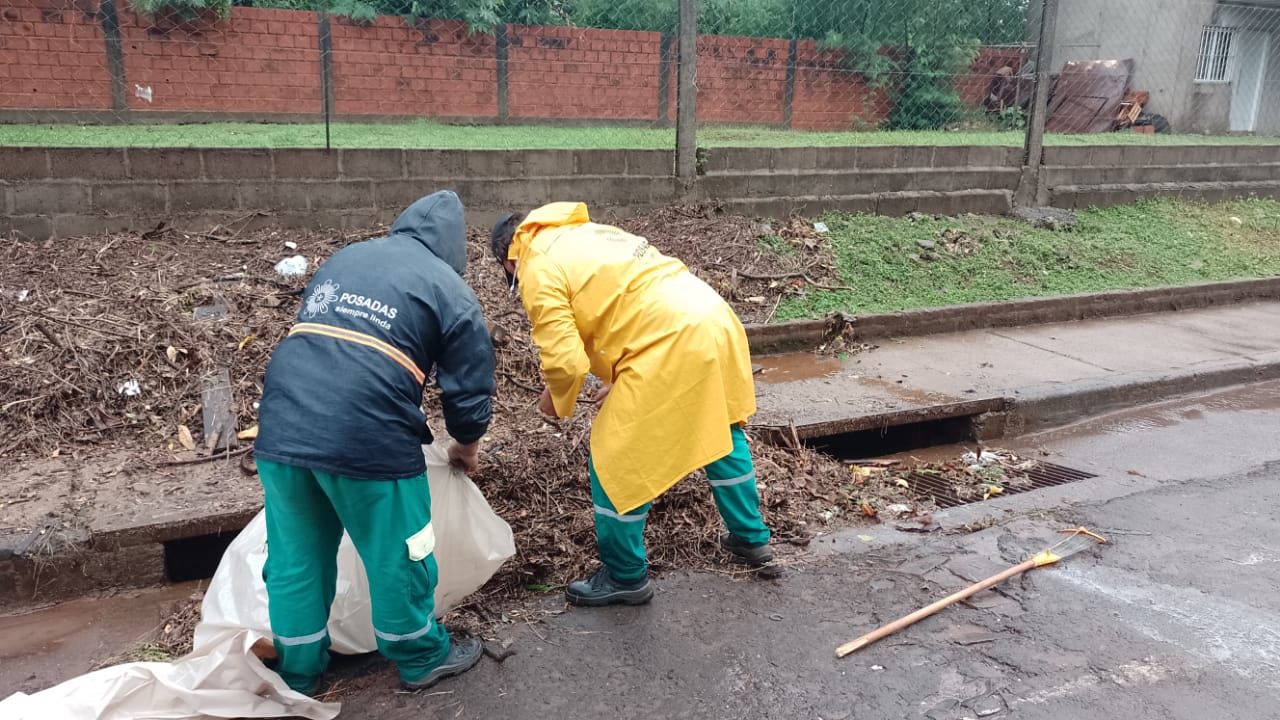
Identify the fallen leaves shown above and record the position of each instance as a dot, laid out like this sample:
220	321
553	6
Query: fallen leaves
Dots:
184	437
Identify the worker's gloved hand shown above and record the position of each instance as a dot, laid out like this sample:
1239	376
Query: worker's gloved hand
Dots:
466	457
545	405
602	393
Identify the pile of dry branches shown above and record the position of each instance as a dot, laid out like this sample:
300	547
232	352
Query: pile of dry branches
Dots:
101	348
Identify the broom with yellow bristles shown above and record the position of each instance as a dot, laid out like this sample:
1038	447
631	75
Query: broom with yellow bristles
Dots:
1081	539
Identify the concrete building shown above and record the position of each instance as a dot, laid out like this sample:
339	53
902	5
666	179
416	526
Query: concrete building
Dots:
1211	66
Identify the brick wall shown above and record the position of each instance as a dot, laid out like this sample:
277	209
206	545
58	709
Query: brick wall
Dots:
829	98
259	61
264	62
432	70
741	79
973	86
51	57
560	72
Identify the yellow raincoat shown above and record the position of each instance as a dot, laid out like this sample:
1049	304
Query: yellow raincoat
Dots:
605	301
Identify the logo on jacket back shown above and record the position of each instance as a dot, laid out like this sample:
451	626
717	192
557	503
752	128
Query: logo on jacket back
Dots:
325	293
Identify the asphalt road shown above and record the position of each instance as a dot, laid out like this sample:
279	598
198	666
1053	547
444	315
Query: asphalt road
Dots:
1175	618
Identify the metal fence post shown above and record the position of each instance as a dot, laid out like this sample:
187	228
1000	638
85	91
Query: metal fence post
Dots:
1030	191
789	86
687	94
325	32
115	55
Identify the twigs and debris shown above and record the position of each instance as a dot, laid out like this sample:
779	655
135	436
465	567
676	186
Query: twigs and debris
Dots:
122	312
974	475
753	265
125	310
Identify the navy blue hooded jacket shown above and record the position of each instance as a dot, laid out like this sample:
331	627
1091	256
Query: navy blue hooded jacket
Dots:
343	391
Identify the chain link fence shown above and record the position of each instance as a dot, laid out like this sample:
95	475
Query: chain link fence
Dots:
606	73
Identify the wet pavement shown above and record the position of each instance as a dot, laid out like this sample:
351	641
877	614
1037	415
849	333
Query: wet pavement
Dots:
916	372
43	646
1174	619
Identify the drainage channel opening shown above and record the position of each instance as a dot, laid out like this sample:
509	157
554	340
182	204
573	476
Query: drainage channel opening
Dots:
195	558
936	489
895	438
929	487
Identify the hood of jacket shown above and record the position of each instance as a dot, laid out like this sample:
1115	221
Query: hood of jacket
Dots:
558	214
438	222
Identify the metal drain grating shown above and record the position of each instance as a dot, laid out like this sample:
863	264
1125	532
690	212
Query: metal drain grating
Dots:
942	493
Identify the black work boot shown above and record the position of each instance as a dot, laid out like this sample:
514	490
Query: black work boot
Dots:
463	655
754	556
603	589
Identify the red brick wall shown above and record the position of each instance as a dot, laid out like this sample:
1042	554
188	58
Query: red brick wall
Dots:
828	98
560	72
268	61
258	61
51	57
433	70
741	79
973	87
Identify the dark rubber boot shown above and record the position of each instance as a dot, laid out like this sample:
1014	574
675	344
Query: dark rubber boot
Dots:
602	589
463	655
754	556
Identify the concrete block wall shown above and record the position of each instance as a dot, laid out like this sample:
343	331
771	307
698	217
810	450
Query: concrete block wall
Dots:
72	191
884	180
61	192
1101	176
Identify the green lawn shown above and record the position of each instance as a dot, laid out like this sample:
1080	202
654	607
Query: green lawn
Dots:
1152	244
433	135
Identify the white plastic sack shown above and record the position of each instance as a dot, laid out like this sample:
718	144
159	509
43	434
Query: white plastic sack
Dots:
472	542
222	678
225	680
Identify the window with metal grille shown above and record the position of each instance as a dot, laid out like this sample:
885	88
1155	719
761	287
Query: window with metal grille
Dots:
1215	54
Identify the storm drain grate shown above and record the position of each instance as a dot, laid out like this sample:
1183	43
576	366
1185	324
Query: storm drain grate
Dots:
942	492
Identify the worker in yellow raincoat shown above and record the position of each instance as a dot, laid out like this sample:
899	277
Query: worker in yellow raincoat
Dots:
677	370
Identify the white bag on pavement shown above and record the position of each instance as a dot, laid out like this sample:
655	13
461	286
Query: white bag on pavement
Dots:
472	542
222	678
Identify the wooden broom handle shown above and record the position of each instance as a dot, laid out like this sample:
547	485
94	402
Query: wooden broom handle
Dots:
924	612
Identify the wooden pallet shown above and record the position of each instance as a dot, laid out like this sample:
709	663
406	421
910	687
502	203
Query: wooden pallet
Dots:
1131	107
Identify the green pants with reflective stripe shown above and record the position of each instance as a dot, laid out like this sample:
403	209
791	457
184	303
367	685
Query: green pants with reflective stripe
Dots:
306	512
733	485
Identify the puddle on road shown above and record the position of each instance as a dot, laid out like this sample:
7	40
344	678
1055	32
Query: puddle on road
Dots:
797	366
1256	397
67	639
1259	397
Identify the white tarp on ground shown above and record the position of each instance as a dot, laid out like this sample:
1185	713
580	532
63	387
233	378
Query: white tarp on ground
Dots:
222	678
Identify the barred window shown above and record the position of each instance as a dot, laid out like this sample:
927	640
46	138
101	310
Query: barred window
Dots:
1215	54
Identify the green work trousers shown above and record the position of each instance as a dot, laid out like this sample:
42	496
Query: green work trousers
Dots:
620	537
389	522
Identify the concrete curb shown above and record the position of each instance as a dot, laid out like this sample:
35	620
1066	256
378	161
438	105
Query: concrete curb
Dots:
808	334
1052	405
134	556
1044	406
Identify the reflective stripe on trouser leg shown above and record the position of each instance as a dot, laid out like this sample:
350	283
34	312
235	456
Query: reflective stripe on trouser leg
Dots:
733	485
620	537
303	532
383	517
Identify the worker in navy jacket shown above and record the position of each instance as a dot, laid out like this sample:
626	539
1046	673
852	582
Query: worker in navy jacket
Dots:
341	429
